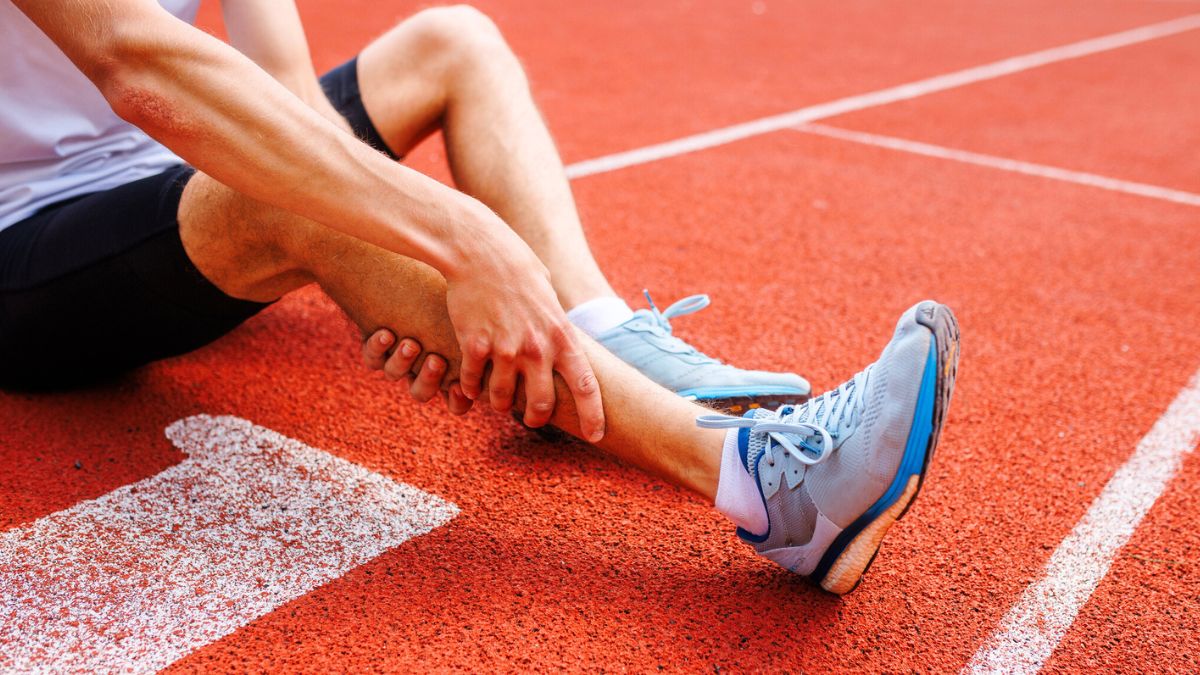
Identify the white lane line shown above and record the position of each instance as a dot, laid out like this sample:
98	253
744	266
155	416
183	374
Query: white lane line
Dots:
901	92
152	571
1004	164
1031	630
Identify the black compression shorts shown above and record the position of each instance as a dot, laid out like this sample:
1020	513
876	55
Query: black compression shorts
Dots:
100	283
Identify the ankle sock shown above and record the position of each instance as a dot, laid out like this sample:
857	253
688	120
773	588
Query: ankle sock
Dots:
738	497
600	314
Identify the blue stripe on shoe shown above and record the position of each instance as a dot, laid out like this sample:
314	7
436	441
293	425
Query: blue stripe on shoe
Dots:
912	463
743	450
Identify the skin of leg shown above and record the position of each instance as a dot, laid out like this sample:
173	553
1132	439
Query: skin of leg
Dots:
450	68
257	252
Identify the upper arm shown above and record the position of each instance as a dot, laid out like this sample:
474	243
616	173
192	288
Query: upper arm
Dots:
131	50
99	36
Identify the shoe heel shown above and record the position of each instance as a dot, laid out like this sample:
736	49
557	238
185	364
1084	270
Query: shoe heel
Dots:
845	573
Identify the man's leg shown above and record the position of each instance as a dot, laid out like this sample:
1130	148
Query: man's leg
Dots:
813	488
450	68
256	252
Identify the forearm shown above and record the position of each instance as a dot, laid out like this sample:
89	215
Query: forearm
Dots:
229	118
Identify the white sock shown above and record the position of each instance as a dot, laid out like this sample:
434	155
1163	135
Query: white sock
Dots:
738	497
600	314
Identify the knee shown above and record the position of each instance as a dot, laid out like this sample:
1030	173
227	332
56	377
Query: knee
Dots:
462	40
457	27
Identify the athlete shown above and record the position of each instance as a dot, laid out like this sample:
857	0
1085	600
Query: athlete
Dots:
158	187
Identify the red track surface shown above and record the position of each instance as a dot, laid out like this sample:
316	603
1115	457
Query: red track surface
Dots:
1078	308
1133	113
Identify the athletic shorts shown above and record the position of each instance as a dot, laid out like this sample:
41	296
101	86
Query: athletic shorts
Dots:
100	283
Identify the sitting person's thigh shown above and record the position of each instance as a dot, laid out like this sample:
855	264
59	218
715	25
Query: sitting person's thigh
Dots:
101	284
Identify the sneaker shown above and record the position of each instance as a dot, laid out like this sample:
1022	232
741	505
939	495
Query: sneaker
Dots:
836	472
646	343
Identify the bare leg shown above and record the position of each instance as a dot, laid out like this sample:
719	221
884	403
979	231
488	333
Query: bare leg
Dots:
257	252
450	68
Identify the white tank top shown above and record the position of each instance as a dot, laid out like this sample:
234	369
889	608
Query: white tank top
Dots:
58	136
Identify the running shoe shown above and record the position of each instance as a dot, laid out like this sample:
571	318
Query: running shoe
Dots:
836	472
646	342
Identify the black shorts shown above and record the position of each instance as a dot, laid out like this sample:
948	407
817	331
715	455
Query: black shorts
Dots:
100	283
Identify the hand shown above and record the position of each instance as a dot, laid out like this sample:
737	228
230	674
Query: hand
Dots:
380	352
507	318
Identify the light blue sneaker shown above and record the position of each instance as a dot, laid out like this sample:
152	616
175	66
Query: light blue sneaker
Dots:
836	472
646	343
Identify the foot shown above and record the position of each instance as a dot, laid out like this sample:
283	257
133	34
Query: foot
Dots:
646	343
836	472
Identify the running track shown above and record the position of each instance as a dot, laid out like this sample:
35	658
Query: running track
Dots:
1004	196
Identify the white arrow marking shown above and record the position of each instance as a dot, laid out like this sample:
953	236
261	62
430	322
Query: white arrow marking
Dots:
152	571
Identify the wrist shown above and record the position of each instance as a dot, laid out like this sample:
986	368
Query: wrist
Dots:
477	238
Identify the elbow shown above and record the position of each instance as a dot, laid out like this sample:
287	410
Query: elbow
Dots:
134	99
125	71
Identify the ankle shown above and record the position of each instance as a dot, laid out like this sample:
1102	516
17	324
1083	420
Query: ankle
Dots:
600	314
738	497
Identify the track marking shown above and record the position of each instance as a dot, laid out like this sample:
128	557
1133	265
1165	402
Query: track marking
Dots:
1031	630
1004	164
150	572
988	71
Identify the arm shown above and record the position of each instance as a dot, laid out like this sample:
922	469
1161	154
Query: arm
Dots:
229	118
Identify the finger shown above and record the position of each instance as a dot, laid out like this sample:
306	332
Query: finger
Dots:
539	395
400	364
502	384
429	380
473	364
577	372
456	401
375	348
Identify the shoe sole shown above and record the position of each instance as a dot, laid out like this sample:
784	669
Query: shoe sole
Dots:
738	405
850	556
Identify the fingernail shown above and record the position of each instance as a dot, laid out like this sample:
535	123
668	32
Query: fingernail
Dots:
597	435
436	365
409	349
385	339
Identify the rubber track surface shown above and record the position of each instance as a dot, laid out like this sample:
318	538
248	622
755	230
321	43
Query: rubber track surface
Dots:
1079	306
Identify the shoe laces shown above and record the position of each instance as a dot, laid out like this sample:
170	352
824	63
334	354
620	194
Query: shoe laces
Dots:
830	417
660	323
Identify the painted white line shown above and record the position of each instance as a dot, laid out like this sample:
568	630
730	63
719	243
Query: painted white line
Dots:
1034	626
1004	164
901	92
152	571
